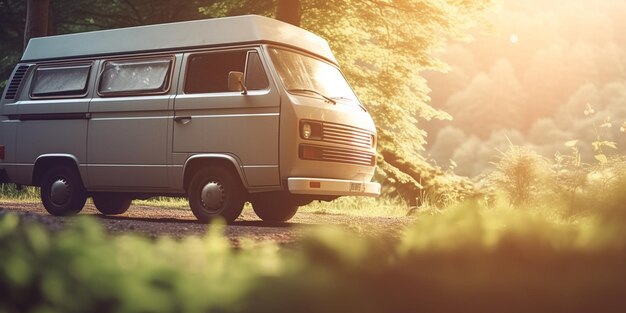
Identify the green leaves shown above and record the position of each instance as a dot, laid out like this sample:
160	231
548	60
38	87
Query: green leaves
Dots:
601	158
571	143
598	145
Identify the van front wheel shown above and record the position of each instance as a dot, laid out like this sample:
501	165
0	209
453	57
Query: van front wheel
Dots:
110	203
62	191
215	192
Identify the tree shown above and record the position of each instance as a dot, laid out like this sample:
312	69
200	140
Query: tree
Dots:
289	11
82	15
36	19
12	19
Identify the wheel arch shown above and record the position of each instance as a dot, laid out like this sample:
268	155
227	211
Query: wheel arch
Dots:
198	161
45	161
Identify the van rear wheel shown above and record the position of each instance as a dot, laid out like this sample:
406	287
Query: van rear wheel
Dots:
62	191
111	203
215	192
274	209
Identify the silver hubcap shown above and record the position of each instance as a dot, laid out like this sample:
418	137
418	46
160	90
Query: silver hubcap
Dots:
213	196
60	192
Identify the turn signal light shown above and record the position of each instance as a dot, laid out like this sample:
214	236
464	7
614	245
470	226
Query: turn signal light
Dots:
1	152
311	153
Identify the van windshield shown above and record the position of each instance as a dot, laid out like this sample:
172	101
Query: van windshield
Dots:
307	75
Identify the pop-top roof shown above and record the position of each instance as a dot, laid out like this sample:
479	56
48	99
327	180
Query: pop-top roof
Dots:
200	33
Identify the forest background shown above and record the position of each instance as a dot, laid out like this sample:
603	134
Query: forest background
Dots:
383	48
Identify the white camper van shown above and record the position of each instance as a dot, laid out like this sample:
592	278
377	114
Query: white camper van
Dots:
222	111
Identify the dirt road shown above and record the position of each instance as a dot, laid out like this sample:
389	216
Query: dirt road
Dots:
156	221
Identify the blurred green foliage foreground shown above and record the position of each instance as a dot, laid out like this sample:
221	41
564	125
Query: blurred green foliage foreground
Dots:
473	257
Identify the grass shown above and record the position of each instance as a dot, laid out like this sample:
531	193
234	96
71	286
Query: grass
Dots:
164	202
9	193
360	206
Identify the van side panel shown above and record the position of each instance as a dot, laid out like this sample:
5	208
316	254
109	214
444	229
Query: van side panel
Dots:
8	129
250	136
127	150
36	138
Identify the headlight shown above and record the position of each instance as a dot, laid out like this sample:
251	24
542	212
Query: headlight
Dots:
306	130
311	130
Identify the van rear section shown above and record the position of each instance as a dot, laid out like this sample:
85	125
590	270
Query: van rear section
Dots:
244	114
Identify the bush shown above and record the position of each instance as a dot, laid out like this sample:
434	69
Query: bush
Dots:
467	258
521	174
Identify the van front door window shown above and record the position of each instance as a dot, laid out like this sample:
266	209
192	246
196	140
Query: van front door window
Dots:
208	72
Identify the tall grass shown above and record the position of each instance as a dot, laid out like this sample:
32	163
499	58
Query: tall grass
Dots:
166	202
9	192
563	185
360	206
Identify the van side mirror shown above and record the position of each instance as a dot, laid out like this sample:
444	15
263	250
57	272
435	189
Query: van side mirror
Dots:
235	82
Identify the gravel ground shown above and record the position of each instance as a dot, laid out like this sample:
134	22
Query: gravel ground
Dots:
178	223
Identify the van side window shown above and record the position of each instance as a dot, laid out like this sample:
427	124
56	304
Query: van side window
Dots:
208	72
135	77
51	81
255	74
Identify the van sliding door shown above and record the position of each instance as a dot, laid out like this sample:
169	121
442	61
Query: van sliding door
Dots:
213	118
128	130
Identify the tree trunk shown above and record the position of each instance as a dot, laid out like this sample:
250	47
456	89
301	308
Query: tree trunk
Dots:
36	19
289	11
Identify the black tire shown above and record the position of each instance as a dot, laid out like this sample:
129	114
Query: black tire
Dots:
62	191
111	203
216	192
274	209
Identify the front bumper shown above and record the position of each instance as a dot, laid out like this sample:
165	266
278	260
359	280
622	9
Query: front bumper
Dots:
332	187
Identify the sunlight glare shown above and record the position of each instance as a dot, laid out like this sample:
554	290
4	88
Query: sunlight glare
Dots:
514	38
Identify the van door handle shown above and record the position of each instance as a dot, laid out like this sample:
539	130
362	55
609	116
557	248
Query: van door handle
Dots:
182	119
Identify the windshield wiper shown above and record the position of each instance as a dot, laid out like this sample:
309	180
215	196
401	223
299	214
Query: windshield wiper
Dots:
329	99
351	100
341	98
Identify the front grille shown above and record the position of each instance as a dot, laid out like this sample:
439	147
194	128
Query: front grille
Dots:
347	135
319	153
14	85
